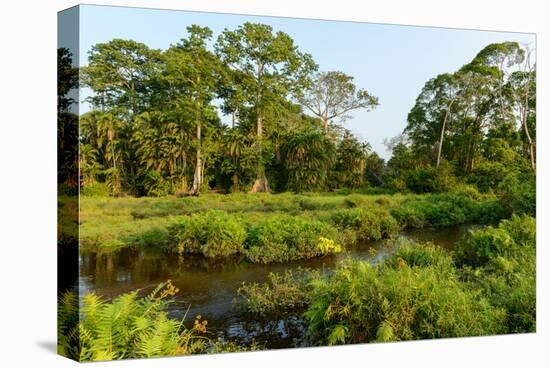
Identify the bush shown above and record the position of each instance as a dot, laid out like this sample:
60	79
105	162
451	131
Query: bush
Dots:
487	175
368	223
480	246
501	262
518	193
211	233
507	240
126	327
285	238
522	229
420	255
153	237
96	189
365	303
431	179
444	210
283	292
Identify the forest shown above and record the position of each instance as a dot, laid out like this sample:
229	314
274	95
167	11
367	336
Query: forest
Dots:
229	153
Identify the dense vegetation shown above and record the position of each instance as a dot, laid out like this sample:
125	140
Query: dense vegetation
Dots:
419	291
160	166
155	127
273	228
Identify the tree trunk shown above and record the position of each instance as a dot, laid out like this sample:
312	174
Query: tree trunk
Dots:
443	133
531	147
261	184
527	134
197	177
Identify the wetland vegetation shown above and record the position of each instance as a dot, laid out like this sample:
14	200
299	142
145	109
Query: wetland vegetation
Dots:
283	229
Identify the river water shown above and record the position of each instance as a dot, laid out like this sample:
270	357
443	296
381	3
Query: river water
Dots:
209	287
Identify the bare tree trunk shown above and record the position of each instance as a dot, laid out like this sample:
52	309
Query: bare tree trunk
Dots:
261	184
197	177
530	145
443	133
233	119
325	124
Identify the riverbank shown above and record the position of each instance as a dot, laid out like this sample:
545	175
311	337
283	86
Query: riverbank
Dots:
399	289
272	228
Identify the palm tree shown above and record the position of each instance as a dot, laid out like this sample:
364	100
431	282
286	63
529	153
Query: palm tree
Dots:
308	157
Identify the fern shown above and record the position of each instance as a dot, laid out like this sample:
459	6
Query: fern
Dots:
126	327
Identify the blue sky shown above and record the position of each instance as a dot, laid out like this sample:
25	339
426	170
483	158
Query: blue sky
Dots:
390	61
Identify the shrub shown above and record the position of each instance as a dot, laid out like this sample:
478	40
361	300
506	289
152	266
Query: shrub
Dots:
431	179
508	240
282	292
518	193
444	210
469	191
96	189
522	229
364	303
369	224
153	237
487	175
285	238
211	233
419	255
480	246
126	327
504	268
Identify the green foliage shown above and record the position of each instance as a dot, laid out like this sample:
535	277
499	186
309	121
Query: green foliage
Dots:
420	255
95	189
284	238
212	233
126	327
368	223
308	158
351	157
446	210
480	246
375	170
506	240
518	193
288	291
431	179
501	262
365	303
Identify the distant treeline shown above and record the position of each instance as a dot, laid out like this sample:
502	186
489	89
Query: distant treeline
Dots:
155	124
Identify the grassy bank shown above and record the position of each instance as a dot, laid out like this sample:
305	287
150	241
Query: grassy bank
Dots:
266	228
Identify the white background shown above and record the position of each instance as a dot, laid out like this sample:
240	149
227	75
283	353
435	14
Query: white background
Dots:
28	181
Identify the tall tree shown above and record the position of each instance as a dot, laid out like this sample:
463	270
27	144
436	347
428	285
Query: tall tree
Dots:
191	75
119	73
498	60
428	120
522	86
271	65
333	95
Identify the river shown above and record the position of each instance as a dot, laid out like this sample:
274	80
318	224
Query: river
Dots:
209	287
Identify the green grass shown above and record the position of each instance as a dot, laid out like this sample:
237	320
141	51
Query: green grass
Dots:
267	227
